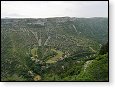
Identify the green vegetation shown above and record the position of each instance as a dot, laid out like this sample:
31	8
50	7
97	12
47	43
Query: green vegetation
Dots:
97	70
54	49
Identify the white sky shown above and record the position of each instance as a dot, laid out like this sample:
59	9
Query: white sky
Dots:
44	9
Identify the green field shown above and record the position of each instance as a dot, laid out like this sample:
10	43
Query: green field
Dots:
34	52
56	58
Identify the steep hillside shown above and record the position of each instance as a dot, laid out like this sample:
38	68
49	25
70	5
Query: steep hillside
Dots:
32	47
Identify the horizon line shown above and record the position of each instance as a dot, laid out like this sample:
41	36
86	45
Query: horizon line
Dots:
46	17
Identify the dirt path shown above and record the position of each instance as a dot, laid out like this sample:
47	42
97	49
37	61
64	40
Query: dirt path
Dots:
87	64
75	28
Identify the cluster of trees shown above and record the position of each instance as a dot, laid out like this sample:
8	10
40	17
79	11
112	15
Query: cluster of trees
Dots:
73	70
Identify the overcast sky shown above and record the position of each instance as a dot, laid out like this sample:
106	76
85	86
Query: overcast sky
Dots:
44	9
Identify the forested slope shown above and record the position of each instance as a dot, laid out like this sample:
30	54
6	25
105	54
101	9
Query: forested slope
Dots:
46	49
